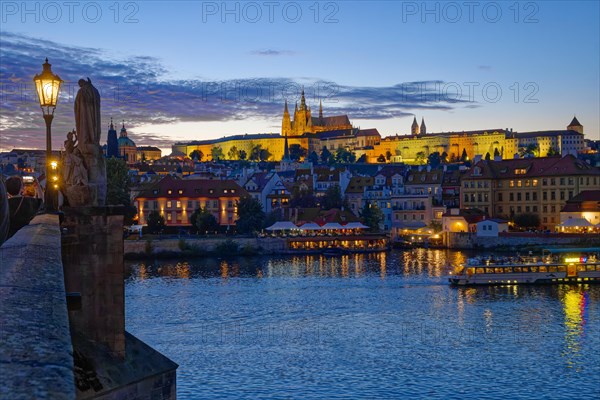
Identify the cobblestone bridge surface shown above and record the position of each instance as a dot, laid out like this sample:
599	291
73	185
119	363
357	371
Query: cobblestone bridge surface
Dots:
36	354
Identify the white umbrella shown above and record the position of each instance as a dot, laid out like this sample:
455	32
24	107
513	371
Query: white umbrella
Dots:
282	226
576	222
332	225
310	226
355	225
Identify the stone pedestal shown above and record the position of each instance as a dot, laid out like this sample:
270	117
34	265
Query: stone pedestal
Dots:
92	252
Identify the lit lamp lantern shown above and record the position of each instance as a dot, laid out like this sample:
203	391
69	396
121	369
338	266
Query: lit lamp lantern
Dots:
47	86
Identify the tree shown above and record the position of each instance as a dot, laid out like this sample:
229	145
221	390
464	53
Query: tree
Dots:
313	157
303	199
527	220
488	156
362	159
496	152
344	156
196	155
371	216
204	221
388	155
552	151
529	150
155	221
242	154
117	187
464	157
264	154
333	198
216	153
434	159
381	158
444	157
420	159
233	153
326	155
251	216
255	152
297	152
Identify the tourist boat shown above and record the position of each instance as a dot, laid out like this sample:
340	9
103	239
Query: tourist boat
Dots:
553	266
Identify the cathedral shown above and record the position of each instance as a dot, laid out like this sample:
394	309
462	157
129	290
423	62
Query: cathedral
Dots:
304	122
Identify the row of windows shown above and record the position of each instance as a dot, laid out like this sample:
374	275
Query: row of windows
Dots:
414	217
526	196
191	205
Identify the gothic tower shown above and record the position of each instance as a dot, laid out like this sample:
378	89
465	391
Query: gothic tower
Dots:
286	124
423	129
414	129
112	145
575	126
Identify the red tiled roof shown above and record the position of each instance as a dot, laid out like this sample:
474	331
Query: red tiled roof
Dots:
534	167
211	188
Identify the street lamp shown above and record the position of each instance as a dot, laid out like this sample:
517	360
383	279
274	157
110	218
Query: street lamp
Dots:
47	86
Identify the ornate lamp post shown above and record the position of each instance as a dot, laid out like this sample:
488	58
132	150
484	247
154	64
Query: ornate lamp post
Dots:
47	86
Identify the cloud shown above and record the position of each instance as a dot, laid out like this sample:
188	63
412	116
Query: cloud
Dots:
273	52
485	67
137	90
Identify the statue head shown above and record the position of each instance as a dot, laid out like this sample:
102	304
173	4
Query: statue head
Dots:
81	82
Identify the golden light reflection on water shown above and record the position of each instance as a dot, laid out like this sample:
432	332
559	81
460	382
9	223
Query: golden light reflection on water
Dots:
574	306
143	272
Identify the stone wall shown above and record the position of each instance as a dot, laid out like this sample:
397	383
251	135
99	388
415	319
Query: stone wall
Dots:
35	343
266	245
516	240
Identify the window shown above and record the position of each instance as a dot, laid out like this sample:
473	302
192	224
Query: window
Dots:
570	181
553	209
552	181
215	204
169	191
232	190
526	208
499	196
553	195
145	204
527	196
189	205
169	204
169	217
534	183
519	183
562	195
527	183
511	197
178	204
544	182
500	210
545	219
224	190
230	204
180	191
155	204
518	209
534	196
570	194
535	209
545	195
211	191
545	209
520	171
179	217
562	181
466	197
511	184
518	196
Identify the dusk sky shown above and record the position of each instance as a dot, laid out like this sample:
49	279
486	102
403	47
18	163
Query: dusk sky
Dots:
191	70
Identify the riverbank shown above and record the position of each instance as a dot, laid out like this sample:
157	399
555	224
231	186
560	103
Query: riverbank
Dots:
190	246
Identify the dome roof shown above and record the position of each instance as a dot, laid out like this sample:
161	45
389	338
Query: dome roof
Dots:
125	141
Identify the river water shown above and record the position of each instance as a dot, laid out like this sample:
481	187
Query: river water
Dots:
364	326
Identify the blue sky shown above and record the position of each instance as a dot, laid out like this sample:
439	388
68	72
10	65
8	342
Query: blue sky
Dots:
197	70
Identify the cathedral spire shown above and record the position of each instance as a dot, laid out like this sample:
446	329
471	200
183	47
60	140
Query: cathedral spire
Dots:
423	129
111	124
285	110
320	109
302	100
414	129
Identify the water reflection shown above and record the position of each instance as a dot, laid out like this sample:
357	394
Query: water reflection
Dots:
575	304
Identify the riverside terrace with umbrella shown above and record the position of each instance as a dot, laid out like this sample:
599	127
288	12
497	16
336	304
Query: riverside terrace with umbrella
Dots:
311	237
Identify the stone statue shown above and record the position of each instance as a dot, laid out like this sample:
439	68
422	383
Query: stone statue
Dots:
88	128
74	172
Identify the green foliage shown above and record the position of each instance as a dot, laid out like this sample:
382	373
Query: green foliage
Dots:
313	157
255	152
303	199
264	155
326	156
297	152
371	216
251	217
204	221
444	157
156	222
228	247
464	157
196	155
529	150
242	154
117	187
216	153
333	198
496	152
434	159
233	153
420	159
388	155
552	151
436	226
381	158
527	220
488	156
344	156
362	159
